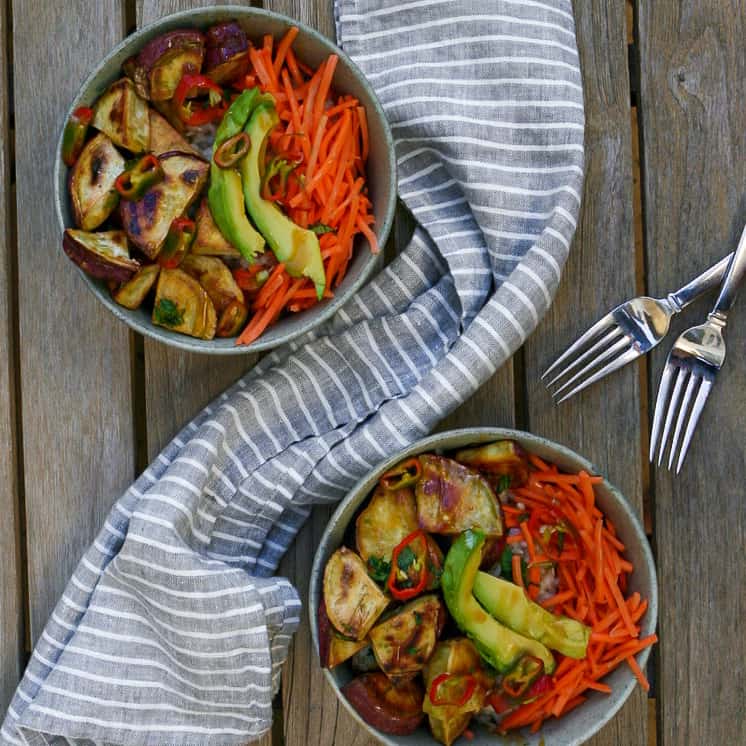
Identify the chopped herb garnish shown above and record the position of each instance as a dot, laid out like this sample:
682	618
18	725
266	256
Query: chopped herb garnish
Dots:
417	618
406	558
166	312
319	229
506	559
413	650
504	483
561	540
378	569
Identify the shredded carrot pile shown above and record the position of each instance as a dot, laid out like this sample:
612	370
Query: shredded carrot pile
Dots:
561	524
327	137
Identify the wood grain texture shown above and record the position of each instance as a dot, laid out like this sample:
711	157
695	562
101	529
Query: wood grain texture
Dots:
178	384
74	356
693	102
11	601
603	422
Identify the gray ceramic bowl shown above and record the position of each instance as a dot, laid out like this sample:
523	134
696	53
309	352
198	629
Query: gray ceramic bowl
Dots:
312	48
577	726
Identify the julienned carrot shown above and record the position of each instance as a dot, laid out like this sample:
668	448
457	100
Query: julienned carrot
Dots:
635	666
529	541
282	48
271	286
592	578
515	563
327	137
557	598
264	317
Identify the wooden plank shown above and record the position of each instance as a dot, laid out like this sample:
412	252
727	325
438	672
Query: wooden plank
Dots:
75	357
692	72
493	405
178	384
11	601
603	422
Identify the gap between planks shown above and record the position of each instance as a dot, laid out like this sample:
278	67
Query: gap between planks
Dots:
645	383
14	592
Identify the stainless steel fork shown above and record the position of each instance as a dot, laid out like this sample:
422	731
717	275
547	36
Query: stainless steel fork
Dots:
624	334
692	365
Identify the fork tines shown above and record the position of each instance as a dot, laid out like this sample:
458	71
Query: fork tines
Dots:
604	348
678	379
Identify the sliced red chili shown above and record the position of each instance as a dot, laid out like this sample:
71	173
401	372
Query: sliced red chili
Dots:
553	538
75	133
517	682
500	703
452	690
281	168
409	572
542	685
404	474
194	113
140	176
232	150
243	84
177	243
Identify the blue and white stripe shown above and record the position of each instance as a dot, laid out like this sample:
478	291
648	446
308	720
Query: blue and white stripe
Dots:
173	629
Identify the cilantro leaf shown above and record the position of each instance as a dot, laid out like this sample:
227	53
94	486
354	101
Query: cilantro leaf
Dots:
504	483
166	312
406	558
320	228
378	569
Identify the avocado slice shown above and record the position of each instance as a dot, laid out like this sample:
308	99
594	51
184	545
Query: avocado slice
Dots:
298	248
499	646
225	195
510	605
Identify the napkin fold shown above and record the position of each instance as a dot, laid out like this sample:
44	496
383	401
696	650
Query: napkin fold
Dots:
173	629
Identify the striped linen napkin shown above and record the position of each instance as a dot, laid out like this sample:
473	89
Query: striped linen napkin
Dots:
173	629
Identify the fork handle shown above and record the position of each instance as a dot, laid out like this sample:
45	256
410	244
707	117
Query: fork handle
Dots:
704	283
733	276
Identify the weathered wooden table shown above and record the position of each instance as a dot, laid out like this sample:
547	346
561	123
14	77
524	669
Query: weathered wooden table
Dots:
84	403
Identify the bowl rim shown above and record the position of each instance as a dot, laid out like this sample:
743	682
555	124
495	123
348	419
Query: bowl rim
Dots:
325	312
483	435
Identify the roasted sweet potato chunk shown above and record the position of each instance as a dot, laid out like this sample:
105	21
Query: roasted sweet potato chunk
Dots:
389	516
227	55
503	458
333	647
215	278
163	61
123	116
388	707
182	305
405	641
148	220
457	657
134	291
452	498
103	255
92	178
209	241
166	139
353	601
232	319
